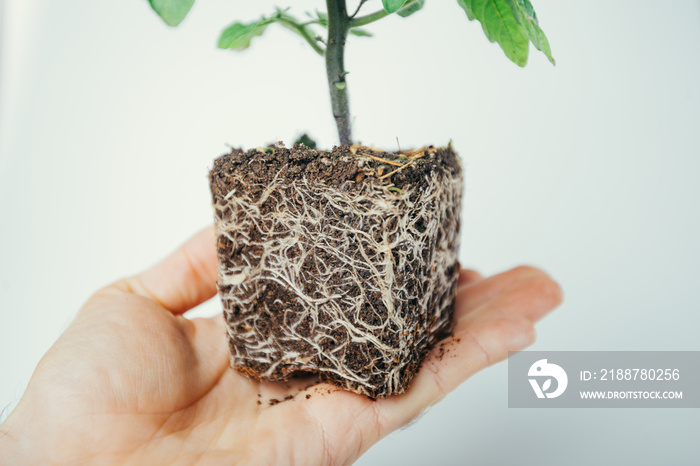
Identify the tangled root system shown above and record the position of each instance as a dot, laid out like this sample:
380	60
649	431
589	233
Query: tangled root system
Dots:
340	263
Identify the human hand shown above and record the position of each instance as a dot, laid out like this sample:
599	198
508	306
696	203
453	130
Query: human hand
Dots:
133	381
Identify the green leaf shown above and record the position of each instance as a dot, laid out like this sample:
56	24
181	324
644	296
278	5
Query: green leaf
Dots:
408	10
360	32
322	18
171	11
528	18
306	140
238	35
501	24
392	6
467	7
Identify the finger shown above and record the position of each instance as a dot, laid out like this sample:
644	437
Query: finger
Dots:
482	338
209	341
468	276
531	294
184	279
478	293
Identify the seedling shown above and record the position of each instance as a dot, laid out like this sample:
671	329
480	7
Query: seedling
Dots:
343	263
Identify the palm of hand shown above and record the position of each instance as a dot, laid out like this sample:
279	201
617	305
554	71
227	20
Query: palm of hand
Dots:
133	380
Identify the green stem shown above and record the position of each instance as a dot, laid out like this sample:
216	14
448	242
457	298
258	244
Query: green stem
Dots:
303	32
372	17
359	6
338	25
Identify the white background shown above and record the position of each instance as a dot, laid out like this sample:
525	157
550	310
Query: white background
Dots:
109	121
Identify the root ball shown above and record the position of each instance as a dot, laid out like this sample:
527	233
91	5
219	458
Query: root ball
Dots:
325	269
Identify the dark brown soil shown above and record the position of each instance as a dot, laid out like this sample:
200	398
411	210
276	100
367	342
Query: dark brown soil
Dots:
263	165
274	305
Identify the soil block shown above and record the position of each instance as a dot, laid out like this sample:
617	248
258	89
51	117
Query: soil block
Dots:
340	263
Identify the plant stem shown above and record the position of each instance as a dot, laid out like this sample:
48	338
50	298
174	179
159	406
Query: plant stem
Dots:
359	6
372	17
303	32
338	25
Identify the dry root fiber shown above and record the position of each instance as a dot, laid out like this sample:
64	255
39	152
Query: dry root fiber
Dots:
340	263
